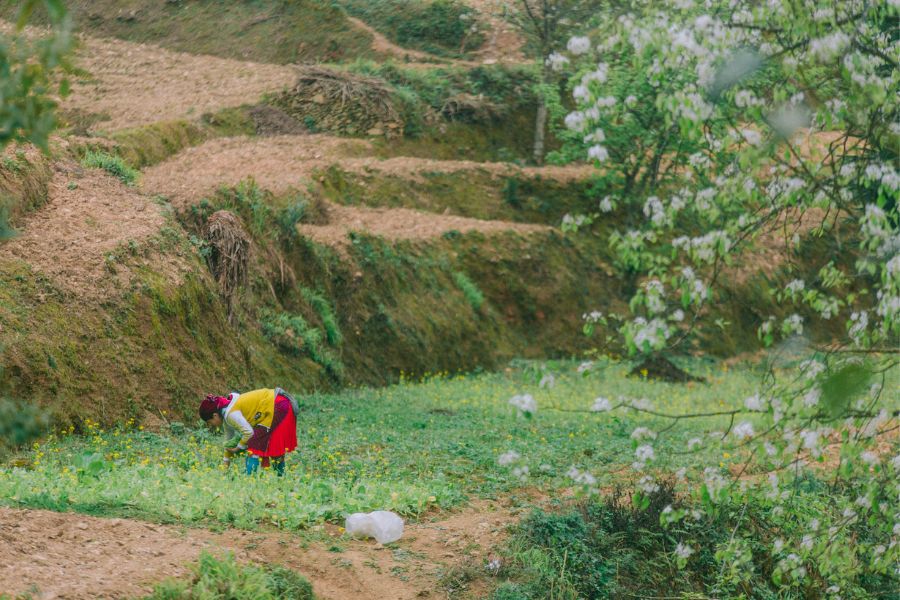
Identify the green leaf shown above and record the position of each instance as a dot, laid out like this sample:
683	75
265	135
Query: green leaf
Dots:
841	387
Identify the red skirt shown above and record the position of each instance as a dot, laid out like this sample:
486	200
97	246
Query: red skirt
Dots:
281	438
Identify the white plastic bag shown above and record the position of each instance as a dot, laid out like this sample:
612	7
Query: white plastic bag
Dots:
383	525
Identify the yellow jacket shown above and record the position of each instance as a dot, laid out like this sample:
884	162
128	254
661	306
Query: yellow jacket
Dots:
246	412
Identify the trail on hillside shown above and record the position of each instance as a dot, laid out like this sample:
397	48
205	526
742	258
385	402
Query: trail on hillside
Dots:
76	557
129	84
504	44
88	218
280	163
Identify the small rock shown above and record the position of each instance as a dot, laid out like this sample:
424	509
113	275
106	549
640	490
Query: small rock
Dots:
81	525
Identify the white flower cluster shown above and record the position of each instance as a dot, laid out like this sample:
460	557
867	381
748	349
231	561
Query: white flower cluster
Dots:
829	46
655	297
582	477
601	404
508	458
743	430
579	45
557	61
525	403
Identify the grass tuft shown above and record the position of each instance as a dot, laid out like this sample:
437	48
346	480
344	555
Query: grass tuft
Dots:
114	165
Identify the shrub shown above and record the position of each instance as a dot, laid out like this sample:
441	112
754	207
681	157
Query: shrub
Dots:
224	579
325	311
619	547
19	423
114	165
470	290
293	334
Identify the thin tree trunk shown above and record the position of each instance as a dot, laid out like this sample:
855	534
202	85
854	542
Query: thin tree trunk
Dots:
540	126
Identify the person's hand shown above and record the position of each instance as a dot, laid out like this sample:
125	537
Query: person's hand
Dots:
232	451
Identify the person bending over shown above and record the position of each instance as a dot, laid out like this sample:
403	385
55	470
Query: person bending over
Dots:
262	422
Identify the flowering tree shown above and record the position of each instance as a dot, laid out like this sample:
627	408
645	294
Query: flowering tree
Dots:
727	123
546	24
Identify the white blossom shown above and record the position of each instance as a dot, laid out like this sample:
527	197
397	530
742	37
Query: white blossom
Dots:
548	381
578	45
557	61
683	551
645	453
643	432
601	404
525	403
743	430
598	152
507	458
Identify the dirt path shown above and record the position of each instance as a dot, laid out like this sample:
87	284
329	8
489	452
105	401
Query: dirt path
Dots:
279	163
137	84
88	216
382	45
504	44
74	557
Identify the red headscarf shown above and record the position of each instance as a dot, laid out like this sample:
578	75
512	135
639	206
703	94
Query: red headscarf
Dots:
211	405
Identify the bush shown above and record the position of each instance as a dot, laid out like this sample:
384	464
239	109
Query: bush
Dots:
224	579
114	165
470	290
325	311
293	334
19	423
619	547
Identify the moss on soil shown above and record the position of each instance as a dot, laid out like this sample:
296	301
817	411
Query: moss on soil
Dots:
272	31
475	192
24	176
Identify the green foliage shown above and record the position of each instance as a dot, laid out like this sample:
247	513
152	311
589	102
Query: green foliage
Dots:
28	74
269	31
293	334
20	423
366	449
442	27
325	311
469	289
112	164
224	579
6	230
612	547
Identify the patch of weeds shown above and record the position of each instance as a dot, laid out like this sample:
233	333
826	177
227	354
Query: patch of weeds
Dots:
6	230
19	423
291	333
470	290
112	164
325	311
224	579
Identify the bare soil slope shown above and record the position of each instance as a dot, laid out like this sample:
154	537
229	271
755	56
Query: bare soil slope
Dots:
76	557
89	215
137	84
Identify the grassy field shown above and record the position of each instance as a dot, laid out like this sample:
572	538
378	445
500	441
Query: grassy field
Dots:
412	448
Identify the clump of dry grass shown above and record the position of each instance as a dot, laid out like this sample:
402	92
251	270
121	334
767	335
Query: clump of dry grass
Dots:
343	102
230	254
